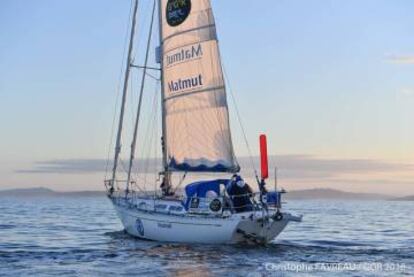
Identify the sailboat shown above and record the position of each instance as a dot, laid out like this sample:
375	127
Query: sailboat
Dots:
196	138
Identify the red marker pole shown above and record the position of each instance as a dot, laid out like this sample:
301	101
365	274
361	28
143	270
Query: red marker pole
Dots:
263	157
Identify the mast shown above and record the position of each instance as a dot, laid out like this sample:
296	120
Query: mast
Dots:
144	73
124	95
163	113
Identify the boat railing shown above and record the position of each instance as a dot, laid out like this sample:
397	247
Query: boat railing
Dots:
117	187
111	184
133	194
217	205
233	203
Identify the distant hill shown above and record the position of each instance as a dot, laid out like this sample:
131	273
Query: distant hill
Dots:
44	192
291	195
332	194
406	198
27	192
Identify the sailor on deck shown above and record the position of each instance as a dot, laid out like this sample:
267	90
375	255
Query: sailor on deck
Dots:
240	192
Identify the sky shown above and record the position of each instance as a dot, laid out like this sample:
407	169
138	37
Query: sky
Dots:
330	82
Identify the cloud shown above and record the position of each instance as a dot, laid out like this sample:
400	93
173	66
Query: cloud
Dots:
396	59
312	167
85	166
373	181
74	166
290	166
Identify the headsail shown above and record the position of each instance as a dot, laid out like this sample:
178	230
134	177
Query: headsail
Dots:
197	127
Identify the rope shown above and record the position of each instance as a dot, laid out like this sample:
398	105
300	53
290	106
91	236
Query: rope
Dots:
111	140
141	94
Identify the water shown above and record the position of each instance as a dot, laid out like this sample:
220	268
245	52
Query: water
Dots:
83	237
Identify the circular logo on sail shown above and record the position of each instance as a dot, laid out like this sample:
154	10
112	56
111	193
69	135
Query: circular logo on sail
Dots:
177	11
139	226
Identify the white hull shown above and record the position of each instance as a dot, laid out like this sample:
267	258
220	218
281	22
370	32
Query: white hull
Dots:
248	227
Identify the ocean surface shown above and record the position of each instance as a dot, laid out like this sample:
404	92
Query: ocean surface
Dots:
83	237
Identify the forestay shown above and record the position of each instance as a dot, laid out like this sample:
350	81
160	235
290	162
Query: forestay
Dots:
197	129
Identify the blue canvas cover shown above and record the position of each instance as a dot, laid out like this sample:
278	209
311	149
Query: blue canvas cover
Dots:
200	189
273	198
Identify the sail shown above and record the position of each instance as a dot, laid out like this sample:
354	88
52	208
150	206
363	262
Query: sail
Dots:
197	131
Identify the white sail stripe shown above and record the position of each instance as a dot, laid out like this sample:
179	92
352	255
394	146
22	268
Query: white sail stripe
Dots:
192	92
188	44
191	109
188	31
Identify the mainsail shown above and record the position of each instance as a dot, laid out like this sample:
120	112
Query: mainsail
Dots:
197	131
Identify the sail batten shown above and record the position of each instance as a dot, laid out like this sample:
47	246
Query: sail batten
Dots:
195	104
